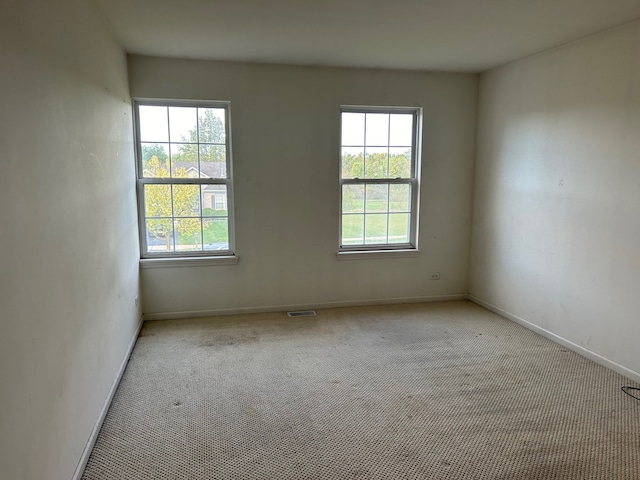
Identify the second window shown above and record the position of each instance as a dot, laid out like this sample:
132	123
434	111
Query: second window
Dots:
379	178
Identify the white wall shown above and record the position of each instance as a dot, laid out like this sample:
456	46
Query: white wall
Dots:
556	229
68	241
285	124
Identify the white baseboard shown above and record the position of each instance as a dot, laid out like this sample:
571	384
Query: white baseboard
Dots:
599	359
77	475
308	306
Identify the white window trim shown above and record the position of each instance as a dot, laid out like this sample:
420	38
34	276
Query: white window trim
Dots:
186	258
357	252
198	261
379	254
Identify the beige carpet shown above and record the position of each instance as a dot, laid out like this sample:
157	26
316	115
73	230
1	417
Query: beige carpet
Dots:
426	391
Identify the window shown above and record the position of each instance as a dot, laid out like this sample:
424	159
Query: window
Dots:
184	178
379	178
221	202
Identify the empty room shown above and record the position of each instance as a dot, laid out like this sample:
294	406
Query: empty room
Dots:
319	240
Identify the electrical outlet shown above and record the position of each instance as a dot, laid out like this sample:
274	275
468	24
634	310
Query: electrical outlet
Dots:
136	300
434	276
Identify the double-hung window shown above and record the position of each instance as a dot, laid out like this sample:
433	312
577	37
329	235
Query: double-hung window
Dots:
379	178
184	178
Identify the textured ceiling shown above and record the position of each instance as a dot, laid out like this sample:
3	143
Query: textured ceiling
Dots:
453	35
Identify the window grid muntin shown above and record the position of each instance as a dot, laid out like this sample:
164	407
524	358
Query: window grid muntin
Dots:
146	253
412	181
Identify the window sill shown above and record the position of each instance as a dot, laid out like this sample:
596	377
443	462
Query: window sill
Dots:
188	261
377	254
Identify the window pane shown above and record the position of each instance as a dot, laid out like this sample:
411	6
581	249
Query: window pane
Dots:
211	125
353	128
214	200
399	198
157	201
352	198
399	227
188	234
184	153
376	162
155	160
186	200
183	124
352	229
154	124
216	233
352	162
213	161
377	198
184	160
377	129
399	162
401	130
375	229
160	235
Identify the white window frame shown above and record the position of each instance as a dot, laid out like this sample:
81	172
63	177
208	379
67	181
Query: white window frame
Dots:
182	258
385	250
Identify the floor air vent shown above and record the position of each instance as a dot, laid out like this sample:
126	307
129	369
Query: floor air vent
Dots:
302	313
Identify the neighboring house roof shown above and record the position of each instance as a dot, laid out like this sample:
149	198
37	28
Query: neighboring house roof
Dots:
208	169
